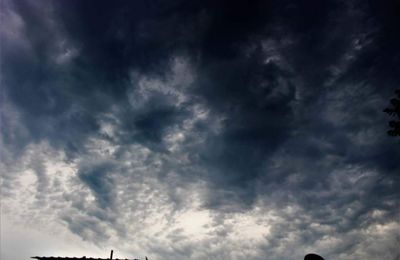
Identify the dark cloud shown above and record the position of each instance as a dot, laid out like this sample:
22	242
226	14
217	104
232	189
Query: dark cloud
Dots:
97	178
212	108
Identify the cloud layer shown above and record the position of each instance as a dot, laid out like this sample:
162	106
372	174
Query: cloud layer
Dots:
201	129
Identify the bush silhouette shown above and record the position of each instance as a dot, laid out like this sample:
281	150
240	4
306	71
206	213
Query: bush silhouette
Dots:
313	257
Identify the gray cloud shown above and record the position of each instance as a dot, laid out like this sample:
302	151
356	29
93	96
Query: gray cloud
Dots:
203	129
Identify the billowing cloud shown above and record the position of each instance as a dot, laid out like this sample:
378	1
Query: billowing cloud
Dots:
201	129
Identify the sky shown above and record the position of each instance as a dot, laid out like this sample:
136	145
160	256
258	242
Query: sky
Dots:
199	129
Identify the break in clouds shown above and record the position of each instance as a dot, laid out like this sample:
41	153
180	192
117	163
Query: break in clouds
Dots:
199	129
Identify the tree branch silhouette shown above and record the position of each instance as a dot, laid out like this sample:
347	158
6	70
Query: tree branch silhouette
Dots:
394	111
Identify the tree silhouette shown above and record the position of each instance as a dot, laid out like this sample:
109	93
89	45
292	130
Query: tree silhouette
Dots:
313	257
394	111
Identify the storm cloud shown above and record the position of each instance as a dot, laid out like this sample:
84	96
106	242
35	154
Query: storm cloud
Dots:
201	129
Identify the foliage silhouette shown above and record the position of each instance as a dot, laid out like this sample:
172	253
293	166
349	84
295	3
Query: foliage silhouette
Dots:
394	111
